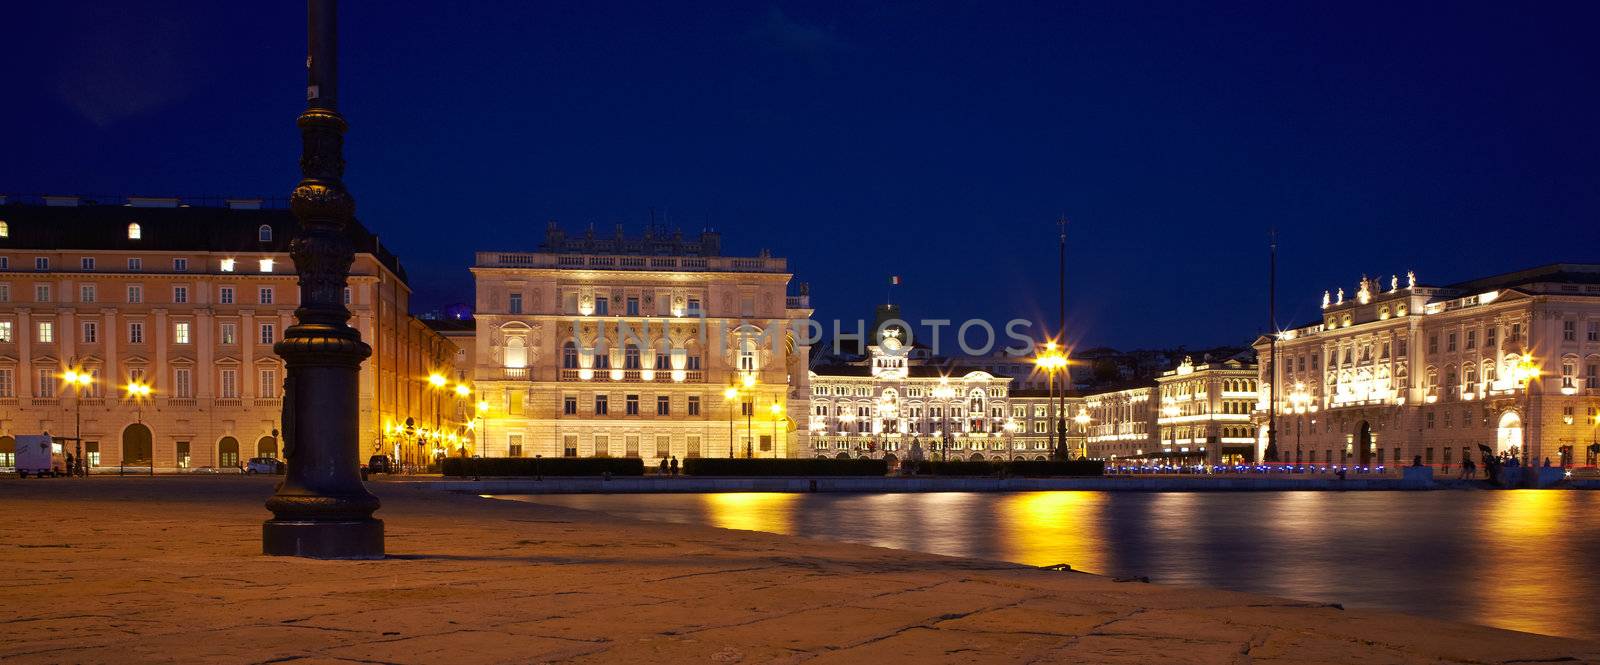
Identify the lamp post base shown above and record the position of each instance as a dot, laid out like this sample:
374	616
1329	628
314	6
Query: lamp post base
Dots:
345	539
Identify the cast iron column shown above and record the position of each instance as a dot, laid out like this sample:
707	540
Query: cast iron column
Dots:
321	509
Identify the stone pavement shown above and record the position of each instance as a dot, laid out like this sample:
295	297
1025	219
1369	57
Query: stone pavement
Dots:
135	570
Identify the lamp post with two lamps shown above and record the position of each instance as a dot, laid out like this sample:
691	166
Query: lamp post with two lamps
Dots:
79	381
1052	360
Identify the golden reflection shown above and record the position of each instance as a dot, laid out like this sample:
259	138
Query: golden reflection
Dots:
1521	590
1047	528
752	511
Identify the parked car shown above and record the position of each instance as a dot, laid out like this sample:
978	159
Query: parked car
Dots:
379	464
204	469
264	465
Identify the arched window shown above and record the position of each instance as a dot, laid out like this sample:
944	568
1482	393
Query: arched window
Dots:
516	353
133	231
5	229
569	355
228	452
264	233
602	355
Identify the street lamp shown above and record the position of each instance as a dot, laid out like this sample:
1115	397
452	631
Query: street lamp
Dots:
943	392
1082	419
1052	360
1526	372
78	381
482	437
777	410
730	395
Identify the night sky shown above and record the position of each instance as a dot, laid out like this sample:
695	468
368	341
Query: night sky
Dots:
935	142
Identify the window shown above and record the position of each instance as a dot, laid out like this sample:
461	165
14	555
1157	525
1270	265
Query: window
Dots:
264	296
515	306
1433	344
694	403
630	357
5	230
41	263
347	295
230	333
5	332
135	264
1472	339
91	332
602	405
1430	420
1450	342
230	384
86	293
135	332
569	405
694	306
633	306
514	445
180	332
1594	331
632	444
228	265
1592	372
183	382
47	332
134	233
569	355
1569	331
86	263
268	383
225	295
5	293
47	383
602	306
269	333
1491	336
264	233
135	294
663	405
5	263
265	265
8	383
1516	333
631	405
41	293
663	445
569	445
180	265
183	454
180	294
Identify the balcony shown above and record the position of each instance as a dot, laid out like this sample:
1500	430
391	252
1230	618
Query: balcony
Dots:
268	401
180	401
797	302
227	401
516	373
632	376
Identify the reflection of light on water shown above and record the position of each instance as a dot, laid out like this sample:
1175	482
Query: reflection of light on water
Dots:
752	511
1046	528
1521	587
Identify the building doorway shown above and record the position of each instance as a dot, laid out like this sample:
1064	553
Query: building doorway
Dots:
1364	443
1508	437
137	445
8	452
267	447
228	453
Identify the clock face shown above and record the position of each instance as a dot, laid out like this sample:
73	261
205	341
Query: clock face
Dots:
891	343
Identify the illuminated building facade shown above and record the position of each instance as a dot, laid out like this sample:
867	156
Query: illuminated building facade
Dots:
1122	424
1204	412
651	346
1401	370
171	308
881	407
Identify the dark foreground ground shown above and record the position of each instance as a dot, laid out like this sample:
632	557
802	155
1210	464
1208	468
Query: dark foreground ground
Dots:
168	570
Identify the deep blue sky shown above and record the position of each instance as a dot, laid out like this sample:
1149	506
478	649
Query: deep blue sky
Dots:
934	142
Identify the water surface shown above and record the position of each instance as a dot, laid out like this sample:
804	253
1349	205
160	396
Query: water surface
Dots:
1525	560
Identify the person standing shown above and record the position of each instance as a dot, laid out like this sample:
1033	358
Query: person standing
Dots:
674	465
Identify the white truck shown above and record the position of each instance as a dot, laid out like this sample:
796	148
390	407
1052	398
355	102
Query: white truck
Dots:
39	455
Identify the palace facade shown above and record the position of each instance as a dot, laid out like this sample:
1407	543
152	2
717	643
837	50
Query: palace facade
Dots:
1402	370
650	346
1204	412
170	309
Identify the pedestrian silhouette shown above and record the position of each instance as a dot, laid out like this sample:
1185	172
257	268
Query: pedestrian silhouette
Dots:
674	465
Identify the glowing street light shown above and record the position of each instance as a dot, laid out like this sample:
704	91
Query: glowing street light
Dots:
777	411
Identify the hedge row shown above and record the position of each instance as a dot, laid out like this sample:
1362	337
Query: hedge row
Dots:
1078	467
712	466
543	466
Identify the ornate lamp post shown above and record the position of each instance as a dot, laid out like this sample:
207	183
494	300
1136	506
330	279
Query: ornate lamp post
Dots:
1052	361
321	509
78	381
777	412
